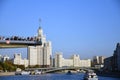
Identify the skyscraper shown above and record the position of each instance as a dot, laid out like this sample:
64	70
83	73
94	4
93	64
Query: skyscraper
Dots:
40	55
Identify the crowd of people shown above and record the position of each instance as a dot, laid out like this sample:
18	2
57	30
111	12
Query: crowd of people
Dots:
17	38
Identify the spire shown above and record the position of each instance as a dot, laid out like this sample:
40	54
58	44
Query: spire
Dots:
40	27
39	23
40	31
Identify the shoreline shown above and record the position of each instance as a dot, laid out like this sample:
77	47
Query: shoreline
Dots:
7	73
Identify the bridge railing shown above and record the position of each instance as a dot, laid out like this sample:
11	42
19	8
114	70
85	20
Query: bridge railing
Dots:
14	40
17	38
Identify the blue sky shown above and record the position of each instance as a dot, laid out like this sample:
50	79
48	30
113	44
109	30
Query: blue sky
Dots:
84	27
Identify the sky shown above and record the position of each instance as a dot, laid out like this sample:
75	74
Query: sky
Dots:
85	27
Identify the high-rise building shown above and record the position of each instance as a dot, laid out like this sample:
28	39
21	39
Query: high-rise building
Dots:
116	58
40	55
108	64
98	61
32	55
19	61
112	63
101	59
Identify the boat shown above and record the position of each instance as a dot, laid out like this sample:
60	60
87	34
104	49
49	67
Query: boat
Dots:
25	73
37	72
17	73
90	75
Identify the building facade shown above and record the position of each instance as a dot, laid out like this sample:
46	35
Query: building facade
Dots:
116	57
95	60
108	64
32	55
98	61
85	63
113	63
19	61
40	55
6	57
74	61
58	60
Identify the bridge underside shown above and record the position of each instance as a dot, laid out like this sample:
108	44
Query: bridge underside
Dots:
12	46
18	44
52	70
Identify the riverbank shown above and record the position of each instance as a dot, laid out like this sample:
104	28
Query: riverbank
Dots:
7	73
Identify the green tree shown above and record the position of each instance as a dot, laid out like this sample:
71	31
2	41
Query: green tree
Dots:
7	65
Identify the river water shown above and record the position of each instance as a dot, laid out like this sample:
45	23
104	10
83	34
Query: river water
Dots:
78	76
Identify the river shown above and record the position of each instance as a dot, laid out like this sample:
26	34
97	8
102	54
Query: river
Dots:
55	76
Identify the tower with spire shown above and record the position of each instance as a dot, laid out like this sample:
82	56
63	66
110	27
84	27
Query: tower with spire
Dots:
40	32
40	55
40	36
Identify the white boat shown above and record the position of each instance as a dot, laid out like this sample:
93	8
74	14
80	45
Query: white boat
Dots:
25	72
37	72
17	73
90	75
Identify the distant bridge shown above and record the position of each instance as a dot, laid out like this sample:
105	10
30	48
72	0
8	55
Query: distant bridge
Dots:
67	68
50	70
